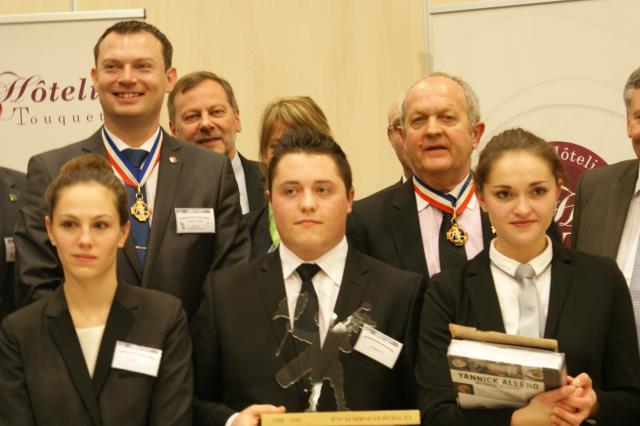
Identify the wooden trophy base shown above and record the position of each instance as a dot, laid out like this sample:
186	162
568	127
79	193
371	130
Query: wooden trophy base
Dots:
344	418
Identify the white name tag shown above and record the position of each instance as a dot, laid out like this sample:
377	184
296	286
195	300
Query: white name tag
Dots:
195	221
136	358
378	346
9	249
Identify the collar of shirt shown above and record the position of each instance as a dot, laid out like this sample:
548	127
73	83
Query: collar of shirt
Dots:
509	266
332	263
422	204
326	282
121	145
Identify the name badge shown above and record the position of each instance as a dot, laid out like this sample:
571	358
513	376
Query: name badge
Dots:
136	358
378	346
9	249
195	221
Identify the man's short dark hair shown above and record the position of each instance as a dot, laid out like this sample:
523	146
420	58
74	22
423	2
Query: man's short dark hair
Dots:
308	141
191	80
130	27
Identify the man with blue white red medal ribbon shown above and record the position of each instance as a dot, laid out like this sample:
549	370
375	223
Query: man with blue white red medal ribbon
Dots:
433	221
177	236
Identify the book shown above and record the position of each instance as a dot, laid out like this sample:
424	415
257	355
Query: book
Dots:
343	418
499	375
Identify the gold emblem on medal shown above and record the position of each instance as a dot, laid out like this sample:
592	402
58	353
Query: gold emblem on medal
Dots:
456	235
140	210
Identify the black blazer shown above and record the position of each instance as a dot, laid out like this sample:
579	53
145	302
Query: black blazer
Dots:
601	206
590	314
385	226
176	263
254	180
258	224
12	185
45	381
236	338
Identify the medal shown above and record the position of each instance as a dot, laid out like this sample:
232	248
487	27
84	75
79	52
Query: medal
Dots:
140	210
448	203
456	235
132	176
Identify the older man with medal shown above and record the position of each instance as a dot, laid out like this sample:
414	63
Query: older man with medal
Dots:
184	205
432	222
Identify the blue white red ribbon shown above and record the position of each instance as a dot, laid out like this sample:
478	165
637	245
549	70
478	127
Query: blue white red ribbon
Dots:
124	168
443	201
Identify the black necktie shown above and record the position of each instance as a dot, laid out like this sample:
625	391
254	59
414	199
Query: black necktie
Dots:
451	256
307	313
139	230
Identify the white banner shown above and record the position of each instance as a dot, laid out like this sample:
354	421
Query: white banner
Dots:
557	69
47	99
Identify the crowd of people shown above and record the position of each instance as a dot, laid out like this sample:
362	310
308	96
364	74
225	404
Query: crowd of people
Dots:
163	278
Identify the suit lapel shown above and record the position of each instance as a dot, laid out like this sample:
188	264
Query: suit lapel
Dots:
254	180
487	232
66	340
616	209
94	144
561	282
482	293
352	287
403	221
274	299
168	178
118	323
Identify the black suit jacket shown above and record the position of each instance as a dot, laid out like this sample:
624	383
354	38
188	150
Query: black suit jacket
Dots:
257	219
385	225
258	223
12	185
236	338
254	179
175	263
601	206
590	314
45	381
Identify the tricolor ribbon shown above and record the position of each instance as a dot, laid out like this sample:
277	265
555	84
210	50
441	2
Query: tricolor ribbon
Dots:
125	169
443	201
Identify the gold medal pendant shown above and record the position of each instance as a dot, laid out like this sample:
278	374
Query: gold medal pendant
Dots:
140	210
456	235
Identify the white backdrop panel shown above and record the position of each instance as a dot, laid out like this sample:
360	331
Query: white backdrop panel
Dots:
46	94
556	69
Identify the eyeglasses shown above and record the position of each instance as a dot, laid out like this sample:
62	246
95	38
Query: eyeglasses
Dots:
393	126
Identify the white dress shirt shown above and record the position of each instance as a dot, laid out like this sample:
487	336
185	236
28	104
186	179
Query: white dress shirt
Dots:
430	218
238	171
503	270
326	282
90	339
630	235
152	183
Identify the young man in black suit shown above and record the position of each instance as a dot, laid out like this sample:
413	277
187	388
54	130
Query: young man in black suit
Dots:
265	334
